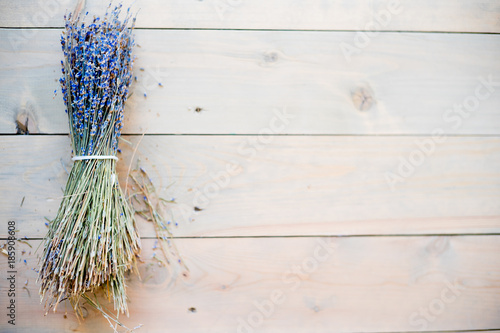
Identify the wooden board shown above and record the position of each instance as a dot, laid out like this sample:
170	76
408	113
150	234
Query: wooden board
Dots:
338	285
332	173
403	15
238	80
291	186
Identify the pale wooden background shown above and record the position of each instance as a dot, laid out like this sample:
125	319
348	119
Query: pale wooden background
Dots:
320	179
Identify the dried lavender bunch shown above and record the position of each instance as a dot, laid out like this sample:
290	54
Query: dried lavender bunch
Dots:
93	240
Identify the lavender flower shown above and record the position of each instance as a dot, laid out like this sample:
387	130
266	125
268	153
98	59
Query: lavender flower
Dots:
97	72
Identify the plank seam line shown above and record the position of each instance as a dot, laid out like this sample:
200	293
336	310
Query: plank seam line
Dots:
306	236
440	331
286	30
275	135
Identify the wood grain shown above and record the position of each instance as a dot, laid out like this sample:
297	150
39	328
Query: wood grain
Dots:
290	186
308	87
237	80
404	15
363	284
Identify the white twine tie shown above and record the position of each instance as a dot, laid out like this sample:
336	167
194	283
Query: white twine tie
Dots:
97	157
94	157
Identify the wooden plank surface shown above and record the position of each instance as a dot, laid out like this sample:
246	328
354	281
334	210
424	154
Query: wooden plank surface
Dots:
402	15
421	246
238	80
291	186
381	284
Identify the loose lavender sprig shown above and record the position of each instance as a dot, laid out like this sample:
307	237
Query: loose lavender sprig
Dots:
150	206
93	240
